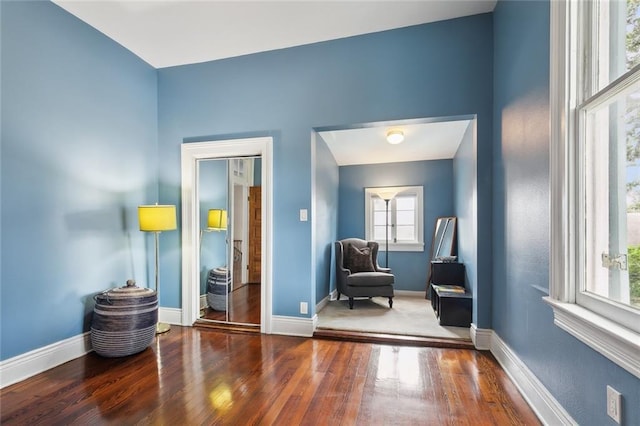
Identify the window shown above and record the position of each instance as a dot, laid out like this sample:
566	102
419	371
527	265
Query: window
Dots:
595	175
403	223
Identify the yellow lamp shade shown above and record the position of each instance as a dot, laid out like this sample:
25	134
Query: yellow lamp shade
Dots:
157	218
217	220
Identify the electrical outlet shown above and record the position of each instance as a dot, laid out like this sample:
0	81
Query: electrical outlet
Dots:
304	308
614	404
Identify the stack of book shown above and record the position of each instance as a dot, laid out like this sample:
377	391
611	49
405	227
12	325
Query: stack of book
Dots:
449	288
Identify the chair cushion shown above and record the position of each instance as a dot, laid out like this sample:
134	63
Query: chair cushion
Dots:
370	279
359	260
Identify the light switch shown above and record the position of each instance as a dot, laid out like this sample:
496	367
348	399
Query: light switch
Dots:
303	215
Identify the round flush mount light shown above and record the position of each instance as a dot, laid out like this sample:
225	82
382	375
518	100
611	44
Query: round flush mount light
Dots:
395	136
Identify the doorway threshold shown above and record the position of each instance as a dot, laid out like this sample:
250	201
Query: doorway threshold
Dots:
392	339
235	328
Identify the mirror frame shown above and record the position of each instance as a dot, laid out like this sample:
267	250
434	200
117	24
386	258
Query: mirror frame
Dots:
191	153
454	237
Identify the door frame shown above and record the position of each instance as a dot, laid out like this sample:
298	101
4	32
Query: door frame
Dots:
191	153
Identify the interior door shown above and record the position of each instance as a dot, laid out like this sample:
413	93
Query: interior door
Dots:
255	234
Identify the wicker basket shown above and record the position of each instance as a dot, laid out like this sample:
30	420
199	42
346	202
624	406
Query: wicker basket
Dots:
124	320
218	285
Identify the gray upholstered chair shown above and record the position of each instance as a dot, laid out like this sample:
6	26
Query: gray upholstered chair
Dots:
358	272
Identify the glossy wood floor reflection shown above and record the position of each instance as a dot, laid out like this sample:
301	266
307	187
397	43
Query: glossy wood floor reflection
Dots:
192	376
244	306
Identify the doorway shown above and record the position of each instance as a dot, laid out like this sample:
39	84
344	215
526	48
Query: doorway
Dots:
349	159
195	157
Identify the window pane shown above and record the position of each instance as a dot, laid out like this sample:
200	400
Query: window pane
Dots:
405	218
379	233
616	41
612	178
405	233
379	204
378	219
406	203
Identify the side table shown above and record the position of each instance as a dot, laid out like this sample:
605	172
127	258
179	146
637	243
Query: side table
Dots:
451	308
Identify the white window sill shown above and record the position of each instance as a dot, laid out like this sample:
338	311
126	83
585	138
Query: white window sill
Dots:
619	344
401	246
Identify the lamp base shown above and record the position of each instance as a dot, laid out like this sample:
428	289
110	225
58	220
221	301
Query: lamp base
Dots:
161	327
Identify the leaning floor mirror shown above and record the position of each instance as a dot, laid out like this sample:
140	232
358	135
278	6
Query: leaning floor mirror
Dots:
443	244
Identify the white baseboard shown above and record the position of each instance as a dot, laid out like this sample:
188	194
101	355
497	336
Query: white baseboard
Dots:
546	407
170	315
42	359
481	337
293	326
409	293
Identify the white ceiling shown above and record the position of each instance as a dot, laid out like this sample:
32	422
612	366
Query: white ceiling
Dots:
176	32
426	141
167	33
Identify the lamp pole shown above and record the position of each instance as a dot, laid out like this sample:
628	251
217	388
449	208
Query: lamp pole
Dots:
386	245
157	234
387	194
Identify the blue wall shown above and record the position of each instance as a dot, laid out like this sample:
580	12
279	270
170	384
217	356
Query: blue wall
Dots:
410	268
575	374
465	202
325	218
446	70
79	130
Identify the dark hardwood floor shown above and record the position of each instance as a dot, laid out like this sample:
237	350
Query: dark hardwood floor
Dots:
193	376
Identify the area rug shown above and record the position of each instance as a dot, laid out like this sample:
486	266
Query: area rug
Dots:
410	316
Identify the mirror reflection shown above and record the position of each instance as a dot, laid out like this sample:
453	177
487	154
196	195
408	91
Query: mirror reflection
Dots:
229	199
444	238
443	245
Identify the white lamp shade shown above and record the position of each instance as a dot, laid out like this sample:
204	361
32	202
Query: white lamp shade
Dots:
386	195
217	220
157	218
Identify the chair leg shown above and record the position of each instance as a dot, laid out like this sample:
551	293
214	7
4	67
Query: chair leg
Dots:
390	302
351	303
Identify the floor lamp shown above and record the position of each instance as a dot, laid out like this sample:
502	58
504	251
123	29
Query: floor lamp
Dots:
386	196
157	218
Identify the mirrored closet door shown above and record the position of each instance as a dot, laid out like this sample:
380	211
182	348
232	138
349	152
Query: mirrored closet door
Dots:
229	200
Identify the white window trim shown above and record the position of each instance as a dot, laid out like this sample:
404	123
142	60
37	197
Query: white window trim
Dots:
417	246
617	343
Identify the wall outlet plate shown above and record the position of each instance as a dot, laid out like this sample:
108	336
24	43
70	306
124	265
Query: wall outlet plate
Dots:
304	308
614	404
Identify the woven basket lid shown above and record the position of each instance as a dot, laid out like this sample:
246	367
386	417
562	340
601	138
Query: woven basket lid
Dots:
128	291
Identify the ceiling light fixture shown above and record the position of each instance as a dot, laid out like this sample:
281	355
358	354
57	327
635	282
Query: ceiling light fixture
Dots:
394	137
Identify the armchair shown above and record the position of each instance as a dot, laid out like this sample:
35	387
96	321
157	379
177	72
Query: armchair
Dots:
358	273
